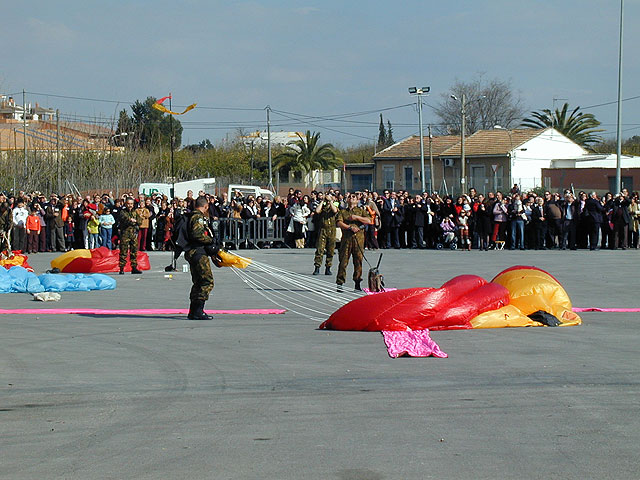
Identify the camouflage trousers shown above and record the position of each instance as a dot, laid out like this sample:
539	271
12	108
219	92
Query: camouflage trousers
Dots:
201	275
352	246
129	243
326	244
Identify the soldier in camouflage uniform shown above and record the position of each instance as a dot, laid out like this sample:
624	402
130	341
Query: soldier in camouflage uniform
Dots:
202	245
352	221
326	244
129	223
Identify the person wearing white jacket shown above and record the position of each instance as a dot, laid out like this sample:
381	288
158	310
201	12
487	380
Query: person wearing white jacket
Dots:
298	225
19	236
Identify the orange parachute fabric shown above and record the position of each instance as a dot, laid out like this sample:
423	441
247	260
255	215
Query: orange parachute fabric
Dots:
159	106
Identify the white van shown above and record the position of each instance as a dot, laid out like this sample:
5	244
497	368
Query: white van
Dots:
247	190
207	185
150	188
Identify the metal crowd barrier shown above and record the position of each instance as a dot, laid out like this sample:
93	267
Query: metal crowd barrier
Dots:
249	232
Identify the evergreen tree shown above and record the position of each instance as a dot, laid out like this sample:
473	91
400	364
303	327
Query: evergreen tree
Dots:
382	135
389	140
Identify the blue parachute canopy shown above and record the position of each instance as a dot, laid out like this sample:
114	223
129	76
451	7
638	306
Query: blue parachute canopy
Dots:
19	280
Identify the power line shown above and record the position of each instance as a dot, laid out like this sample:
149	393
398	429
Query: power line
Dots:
611	103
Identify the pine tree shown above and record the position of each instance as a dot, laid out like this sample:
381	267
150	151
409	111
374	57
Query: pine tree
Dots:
382	136
389	140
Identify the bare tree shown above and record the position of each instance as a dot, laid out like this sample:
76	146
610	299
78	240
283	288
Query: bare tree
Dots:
487	103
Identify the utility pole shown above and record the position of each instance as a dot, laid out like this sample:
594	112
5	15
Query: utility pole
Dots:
431	175
463	172
24	134
268	108
58	151
251	171
619	127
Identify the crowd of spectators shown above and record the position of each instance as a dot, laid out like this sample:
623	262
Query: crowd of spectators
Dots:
513	220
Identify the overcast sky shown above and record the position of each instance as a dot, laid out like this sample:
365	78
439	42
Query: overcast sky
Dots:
316	58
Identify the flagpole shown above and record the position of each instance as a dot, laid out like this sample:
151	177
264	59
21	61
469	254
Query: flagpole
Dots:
173	181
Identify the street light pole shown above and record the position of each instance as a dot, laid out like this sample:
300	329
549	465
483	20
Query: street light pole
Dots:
619	127
419	92
268	109
463	126
463	171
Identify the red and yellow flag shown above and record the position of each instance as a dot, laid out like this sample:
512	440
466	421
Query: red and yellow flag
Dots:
159	106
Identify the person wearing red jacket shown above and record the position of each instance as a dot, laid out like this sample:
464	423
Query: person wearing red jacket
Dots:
33	227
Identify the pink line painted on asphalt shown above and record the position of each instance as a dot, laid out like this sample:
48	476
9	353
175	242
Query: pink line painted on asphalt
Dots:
597	309
139	311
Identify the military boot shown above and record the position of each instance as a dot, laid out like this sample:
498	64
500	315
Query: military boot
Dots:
316	270
357	287
135	271
327	271
196	311
121	272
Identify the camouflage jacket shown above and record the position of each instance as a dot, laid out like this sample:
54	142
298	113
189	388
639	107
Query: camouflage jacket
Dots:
126	219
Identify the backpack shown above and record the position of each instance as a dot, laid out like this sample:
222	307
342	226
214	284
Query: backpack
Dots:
376	280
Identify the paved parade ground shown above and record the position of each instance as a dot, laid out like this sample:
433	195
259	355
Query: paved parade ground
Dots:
272	397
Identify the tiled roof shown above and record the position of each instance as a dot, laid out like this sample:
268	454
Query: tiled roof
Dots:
410	147
39	137
496	142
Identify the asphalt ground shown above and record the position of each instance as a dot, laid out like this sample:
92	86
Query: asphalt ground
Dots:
272	397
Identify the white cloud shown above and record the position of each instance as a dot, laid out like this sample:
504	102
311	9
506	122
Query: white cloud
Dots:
51	33
306	10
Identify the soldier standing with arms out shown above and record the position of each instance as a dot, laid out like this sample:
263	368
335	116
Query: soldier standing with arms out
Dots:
326	214
352	221
202	245
129	223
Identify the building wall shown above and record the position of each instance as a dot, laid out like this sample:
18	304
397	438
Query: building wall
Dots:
481	182
597	179
528	160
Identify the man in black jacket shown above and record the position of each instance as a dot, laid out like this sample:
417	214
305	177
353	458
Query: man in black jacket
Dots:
621	220
595	216
570	215
419	211
55	225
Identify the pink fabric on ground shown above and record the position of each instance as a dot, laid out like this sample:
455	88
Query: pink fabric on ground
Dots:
414	343
369	292
139	311
596	309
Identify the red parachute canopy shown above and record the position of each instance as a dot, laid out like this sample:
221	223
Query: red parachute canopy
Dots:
99	260
451	306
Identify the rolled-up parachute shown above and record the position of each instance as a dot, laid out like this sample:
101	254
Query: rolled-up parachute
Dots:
98	260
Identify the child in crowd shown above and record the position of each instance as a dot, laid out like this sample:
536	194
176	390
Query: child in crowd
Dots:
448	229
69	237
463	229
106	227
93	226
33	226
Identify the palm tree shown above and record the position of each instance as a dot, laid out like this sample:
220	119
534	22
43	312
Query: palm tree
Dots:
578	126
305	154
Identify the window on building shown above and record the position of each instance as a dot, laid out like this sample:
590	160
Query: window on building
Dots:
361	181
389	176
